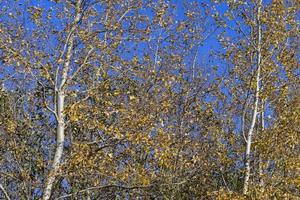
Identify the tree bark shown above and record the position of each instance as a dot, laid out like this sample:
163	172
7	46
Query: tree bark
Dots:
260	161
60	117
60	138
257	91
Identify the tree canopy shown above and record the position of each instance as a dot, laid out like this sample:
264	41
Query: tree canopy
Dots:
149	99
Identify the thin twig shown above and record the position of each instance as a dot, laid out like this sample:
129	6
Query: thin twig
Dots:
81	66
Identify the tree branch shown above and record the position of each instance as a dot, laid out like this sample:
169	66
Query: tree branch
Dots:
4	192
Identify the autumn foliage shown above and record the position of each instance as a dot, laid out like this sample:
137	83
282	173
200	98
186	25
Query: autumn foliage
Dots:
145	99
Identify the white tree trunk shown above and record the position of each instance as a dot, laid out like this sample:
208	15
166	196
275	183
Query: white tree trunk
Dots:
60	138
260	161
257	91
60	93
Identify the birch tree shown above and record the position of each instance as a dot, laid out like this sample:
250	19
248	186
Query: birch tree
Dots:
136	99
251	84
257	95
61	78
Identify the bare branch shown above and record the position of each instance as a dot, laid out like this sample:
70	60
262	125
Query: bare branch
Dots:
80	67
4	192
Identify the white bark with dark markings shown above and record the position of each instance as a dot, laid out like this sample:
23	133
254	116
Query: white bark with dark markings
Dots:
257	93
60	104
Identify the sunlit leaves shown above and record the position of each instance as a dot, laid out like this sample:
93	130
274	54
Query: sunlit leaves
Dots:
36	14
147	114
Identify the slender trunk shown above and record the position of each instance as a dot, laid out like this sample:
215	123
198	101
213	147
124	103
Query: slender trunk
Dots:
60	129
60	137
257	91
88	195
260	161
